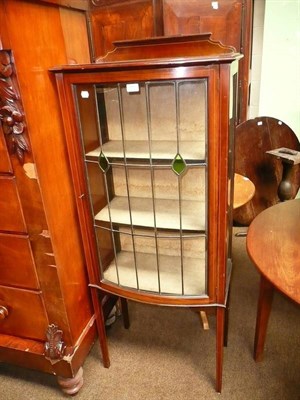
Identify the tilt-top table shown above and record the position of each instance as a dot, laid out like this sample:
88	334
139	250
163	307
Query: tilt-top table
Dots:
273	244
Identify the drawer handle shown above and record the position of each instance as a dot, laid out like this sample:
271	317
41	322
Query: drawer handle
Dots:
3	312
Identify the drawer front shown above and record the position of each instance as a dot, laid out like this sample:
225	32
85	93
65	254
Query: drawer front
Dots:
17	266
11	216
5	165
25	317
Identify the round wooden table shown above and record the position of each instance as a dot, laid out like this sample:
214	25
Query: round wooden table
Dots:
273	244
244	190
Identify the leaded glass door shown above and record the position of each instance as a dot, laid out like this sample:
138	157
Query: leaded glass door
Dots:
147	168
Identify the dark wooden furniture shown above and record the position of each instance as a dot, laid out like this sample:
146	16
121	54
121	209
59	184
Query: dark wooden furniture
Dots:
277	230
253	139
46	317
290	160
229	21
149	131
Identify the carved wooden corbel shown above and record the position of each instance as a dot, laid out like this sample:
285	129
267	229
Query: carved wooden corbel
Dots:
11	112
55	347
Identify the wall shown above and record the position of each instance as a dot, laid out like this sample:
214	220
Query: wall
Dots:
256	61
280	76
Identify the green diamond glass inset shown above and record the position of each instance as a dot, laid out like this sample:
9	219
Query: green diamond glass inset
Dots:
178	164
103	162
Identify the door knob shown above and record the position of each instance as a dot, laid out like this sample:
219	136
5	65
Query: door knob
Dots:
3	312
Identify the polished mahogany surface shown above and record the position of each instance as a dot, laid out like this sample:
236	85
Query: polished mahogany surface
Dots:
5	165
244	190
253	139
229	21
42	269
273	245
194	58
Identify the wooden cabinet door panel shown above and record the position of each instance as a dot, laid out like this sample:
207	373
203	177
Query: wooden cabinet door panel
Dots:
11	215
224	21
229	21
120	20
16	262
26	315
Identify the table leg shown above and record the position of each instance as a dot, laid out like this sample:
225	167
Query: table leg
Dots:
266	291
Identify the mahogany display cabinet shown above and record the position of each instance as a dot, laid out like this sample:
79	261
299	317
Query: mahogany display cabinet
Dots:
149	131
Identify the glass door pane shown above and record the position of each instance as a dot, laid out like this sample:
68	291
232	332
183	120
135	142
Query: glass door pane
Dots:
145	148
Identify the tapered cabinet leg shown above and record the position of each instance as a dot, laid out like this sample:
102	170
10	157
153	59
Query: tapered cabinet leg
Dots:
100	327
265	299
226	321
71	385
125	313
219	347
204	320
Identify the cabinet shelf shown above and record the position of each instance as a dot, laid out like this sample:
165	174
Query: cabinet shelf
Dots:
160	150
170	274
167	213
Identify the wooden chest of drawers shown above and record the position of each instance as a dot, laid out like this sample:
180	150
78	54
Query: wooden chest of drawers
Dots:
42	268
11	216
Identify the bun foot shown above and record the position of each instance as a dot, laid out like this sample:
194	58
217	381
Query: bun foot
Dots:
71	385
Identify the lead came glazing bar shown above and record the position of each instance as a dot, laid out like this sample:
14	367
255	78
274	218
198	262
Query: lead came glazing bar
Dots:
111	228
127	180
148	105
156	165
106	168
99	107
177	102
